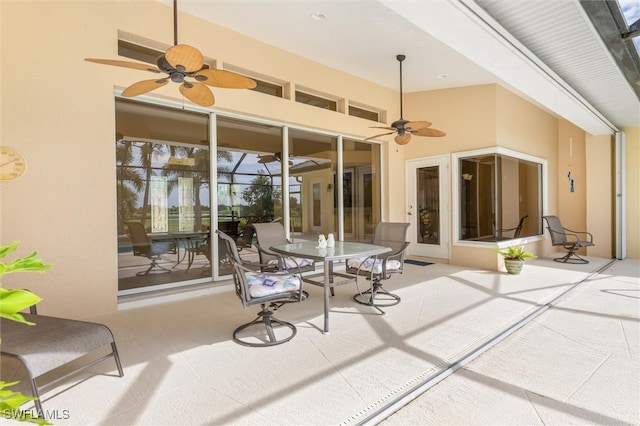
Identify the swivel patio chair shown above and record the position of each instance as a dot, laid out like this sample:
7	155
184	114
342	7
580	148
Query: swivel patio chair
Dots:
387	234
272	234
153	250
269	290
568	239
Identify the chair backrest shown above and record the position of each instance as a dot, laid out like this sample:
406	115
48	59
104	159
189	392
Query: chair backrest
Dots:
556	230
239	279
391	234
139	239
516	234
229	228
267	235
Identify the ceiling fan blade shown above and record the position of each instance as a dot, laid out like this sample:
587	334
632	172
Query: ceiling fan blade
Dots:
403	139
264	159
416	125
381	127
143	86
227	79
377	136
197	93
185	56
434	133
126	64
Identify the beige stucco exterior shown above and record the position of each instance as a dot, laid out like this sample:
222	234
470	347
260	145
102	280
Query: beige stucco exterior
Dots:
58	110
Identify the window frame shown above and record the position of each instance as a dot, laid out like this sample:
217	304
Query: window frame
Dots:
457	184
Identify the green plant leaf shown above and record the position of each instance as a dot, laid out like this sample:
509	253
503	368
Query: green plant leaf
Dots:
515	253
10	403
24	264
14	301
4	250
11	303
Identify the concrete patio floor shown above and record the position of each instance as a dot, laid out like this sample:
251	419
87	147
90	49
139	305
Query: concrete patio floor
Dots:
576	362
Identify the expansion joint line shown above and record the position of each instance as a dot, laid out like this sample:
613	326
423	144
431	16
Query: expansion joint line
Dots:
394	401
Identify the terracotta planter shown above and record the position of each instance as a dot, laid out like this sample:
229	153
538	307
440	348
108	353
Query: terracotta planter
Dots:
513	266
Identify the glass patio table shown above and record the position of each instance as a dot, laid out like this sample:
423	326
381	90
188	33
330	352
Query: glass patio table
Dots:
343	250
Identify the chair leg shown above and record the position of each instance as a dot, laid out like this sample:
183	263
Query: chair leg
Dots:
266	318
572	258
154	264
116	356
377	296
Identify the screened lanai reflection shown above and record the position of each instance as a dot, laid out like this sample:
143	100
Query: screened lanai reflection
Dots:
163	195
264	172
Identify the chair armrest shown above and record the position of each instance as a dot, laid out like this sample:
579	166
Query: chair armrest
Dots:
576	234
396	253
281	264
399	254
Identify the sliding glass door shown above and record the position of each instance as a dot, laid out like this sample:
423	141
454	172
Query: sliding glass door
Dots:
162	183
262	172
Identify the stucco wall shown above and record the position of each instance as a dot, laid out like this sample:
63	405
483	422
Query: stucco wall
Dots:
633	191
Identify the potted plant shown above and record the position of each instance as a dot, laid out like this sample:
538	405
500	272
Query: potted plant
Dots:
514	257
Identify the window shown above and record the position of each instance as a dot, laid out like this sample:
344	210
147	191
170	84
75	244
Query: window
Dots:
364	113
268	88
316	101
140	53
499	195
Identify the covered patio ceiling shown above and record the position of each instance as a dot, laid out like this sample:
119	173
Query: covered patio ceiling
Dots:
559	55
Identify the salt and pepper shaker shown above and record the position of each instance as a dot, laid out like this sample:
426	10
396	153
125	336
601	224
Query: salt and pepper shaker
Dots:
331	241
322	241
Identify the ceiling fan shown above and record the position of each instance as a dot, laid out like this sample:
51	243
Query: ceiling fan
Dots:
405	128
272	158
183	64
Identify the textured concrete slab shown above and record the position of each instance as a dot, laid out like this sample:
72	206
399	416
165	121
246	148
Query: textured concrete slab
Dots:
576	363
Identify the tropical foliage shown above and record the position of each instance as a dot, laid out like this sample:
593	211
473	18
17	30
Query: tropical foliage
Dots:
516	253
11	303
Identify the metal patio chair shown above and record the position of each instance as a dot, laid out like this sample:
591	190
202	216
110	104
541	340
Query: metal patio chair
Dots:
269	290
272	234
387	234
568	239
153	250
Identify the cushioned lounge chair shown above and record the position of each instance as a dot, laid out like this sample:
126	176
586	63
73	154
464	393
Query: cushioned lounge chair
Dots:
52	343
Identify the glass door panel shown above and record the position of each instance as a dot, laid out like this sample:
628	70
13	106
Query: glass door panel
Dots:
249	187
428	197
427	189
162	183
361	190
312	164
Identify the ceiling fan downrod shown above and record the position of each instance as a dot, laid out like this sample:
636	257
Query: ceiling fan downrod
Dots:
175	22
401	58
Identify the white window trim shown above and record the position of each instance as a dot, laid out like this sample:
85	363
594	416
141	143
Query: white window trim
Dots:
455	182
